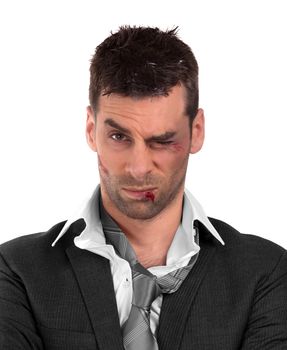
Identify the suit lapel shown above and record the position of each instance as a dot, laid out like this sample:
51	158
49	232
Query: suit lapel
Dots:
95	281
176	306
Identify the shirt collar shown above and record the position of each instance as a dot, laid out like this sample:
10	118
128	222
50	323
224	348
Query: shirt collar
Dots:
90	210
195	207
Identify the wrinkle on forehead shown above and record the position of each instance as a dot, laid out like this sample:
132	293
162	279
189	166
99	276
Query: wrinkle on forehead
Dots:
152	115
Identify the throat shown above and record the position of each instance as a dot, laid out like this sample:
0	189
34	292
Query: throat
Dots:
154	255
152	261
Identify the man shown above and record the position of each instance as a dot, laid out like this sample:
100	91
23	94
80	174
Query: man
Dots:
141	266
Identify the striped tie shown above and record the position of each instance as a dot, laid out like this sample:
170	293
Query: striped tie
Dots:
136	331
137	334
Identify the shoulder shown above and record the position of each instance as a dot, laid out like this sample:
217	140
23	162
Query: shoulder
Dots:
30	249
34	239
247	251
233	237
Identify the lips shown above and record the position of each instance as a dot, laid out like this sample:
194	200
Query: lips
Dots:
140	193
140	189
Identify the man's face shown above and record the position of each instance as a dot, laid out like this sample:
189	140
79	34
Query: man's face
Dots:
143	147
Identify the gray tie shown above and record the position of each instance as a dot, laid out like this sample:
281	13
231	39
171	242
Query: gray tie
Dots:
137	334
136	331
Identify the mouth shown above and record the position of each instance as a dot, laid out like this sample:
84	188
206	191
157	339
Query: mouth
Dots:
139	189
143	193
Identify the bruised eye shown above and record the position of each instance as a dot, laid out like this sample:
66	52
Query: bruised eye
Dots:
160	144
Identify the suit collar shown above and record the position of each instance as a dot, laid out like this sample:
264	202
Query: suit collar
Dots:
176	307
95	282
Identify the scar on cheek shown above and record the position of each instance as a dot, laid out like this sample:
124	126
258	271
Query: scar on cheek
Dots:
102	166
149	195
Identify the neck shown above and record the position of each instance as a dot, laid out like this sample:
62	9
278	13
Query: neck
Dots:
151	238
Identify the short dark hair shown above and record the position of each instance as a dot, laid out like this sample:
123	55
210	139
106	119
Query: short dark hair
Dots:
141	62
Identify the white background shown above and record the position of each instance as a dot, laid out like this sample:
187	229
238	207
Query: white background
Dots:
46	167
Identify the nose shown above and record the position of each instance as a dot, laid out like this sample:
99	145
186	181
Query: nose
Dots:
140	162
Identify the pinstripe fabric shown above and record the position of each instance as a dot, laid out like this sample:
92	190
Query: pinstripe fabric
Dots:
137	334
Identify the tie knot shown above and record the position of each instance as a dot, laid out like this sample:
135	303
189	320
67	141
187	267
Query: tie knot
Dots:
170	282
145	289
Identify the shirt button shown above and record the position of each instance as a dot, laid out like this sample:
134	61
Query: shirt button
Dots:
126	282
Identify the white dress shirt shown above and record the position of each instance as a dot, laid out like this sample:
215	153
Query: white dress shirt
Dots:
182	248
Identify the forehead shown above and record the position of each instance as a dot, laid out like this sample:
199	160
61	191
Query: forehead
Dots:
149	113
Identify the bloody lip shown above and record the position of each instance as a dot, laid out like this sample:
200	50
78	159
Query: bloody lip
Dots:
148	194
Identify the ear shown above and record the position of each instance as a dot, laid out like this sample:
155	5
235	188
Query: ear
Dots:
91	129
197	132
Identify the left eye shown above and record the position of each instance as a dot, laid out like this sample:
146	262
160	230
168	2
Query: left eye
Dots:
164	142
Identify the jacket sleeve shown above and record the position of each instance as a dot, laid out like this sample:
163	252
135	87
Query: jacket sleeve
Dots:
17	326
267	326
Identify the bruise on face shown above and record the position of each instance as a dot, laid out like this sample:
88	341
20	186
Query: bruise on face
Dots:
177	147
105	170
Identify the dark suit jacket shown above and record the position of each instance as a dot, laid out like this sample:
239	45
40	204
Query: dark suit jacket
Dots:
62	297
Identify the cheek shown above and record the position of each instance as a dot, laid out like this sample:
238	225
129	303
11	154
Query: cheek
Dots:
181	153
178	148
175	159
110	163
103	167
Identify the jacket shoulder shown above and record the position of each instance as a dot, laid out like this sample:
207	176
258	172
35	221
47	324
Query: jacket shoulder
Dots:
28	248
248	248
233	236
33	239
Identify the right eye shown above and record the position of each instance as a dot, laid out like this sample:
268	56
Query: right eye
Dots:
118	137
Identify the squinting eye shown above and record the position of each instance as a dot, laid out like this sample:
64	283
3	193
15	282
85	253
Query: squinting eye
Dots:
164	142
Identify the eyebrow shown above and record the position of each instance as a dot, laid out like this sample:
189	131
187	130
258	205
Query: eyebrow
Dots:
161	137
117	126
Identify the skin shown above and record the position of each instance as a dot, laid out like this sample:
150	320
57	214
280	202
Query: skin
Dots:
136	158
